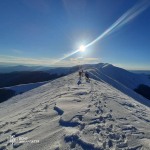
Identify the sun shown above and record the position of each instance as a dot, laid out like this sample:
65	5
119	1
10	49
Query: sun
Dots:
82	48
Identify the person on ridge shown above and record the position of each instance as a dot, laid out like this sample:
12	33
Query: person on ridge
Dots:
80	74
87	75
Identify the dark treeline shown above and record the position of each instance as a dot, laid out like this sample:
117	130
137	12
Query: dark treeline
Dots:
143	90
25	77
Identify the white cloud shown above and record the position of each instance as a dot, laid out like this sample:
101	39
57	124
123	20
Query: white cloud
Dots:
47	61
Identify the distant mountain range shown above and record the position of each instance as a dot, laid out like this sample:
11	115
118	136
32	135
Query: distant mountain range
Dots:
8	69
26	77
4	69
140	71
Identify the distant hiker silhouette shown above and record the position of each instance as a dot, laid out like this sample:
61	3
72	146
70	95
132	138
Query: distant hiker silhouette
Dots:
87	75
79	74
82	73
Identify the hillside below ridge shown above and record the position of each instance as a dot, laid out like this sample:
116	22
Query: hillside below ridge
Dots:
100	75
74	113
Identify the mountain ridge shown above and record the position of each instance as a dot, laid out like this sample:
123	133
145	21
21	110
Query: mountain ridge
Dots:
70	112
104	70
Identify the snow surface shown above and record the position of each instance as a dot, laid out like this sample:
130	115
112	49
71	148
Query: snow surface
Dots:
129	79
73	113
25	87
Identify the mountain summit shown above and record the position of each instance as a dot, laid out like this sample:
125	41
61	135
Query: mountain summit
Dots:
72	113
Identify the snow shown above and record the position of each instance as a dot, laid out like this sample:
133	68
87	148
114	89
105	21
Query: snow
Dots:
69	113
129	79
25	87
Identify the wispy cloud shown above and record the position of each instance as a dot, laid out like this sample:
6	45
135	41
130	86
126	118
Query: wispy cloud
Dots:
64	55
80	57
81	60
47	61
91	59
23	60
16	51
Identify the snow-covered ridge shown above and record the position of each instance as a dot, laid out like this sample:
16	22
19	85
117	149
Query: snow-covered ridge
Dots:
72	113
131	80
126	78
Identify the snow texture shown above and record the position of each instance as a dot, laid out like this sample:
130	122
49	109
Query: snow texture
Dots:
25	87
102	113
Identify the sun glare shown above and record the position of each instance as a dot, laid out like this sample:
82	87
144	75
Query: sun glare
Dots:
82	48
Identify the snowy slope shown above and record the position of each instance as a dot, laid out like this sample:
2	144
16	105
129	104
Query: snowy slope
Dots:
129	79
25	87
69	113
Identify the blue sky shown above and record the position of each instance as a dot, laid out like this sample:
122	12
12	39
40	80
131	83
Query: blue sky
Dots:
42	32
